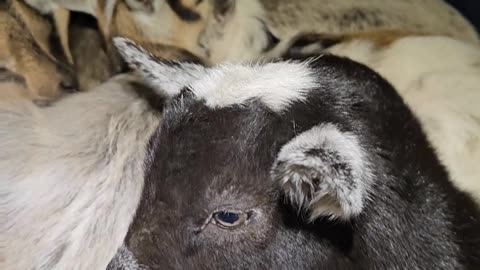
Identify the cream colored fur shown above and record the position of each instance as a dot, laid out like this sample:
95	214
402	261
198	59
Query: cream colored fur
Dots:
71	176
242	36
439	78
287	18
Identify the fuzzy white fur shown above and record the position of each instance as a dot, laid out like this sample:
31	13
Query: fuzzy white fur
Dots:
439	78
338	193
275	84
71	176
166	77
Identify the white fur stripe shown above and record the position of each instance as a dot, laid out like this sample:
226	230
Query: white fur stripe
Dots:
275	84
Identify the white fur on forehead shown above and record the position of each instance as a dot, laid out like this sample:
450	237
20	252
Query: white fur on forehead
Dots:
275	84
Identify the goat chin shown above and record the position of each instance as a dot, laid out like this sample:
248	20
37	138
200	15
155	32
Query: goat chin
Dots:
70	175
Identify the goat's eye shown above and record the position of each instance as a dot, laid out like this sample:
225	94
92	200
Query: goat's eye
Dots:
230	220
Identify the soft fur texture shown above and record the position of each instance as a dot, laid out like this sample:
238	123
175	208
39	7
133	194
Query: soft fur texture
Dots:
439	78
207	162
70	184
234	30
325	171
129	18
346	16
231	84
125	260
248	28
25	37
89	57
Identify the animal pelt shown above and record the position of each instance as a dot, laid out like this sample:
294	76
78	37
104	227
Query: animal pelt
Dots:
254	26
26	48
152	23
41	42
346	16
71	174
438	77
57	53
228	30
32	46
251	163
71	185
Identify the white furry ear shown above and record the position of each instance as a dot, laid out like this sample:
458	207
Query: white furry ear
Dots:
325	172
166	77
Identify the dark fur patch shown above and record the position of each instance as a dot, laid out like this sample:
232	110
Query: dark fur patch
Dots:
222	7
9	76
183	12
204	159
272	40
320	41
145	5
155	101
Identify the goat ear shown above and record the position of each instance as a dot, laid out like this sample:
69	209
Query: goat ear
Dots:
166	77
222	9
325	172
